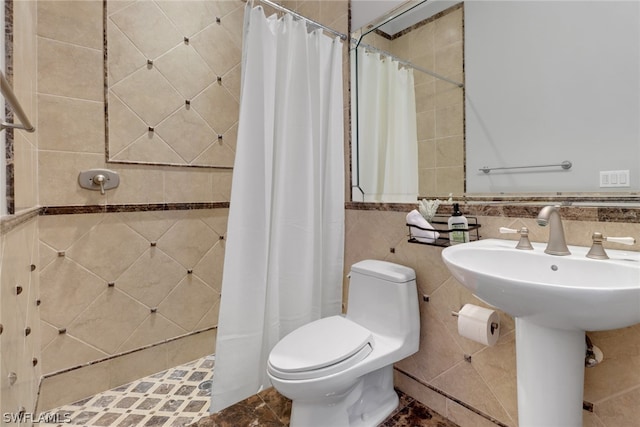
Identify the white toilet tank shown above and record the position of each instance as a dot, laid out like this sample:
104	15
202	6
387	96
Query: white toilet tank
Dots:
383	298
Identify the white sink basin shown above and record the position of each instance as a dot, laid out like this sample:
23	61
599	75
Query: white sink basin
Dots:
565	292
554	300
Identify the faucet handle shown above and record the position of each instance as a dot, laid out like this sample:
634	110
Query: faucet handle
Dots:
524	242
597	250
623	240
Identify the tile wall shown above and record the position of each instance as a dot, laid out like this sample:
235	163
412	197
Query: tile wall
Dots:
174	71
131	279
20	356
487	385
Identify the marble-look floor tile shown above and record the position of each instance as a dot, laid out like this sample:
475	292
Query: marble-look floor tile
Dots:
180	397
269	408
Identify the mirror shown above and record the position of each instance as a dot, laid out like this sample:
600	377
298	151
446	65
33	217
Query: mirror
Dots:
544	83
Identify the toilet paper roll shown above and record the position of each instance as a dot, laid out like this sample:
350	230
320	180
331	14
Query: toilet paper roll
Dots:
479	324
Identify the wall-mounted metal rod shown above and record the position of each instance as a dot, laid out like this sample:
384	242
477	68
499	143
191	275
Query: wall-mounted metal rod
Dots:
310	21
11	99
564	165
404	62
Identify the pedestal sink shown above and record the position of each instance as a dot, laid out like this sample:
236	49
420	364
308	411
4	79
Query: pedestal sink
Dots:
554	300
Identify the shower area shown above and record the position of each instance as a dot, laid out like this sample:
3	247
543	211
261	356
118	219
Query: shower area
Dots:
99	290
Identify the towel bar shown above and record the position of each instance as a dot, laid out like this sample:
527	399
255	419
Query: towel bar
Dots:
11	99
564	165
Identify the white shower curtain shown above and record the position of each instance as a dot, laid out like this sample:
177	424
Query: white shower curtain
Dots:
387	135
284	253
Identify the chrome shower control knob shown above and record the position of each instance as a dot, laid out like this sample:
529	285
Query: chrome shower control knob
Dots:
99	180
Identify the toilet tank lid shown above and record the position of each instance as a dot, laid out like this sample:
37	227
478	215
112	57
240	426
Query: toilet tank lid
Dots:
384	270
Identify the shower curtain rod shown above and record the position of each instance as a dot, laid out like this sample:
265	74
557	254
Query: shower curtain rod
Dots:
297	15
405	63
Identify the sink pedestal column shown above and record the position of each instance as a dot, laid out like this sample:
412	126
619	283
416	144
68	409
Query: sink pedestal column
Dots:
550	365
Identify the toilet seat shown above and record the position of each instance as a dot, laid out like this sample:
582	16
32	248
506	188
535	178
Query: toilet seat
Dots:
320	348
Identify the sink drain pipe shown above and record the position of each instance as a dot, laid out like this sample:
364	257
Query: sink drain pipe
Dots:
593	354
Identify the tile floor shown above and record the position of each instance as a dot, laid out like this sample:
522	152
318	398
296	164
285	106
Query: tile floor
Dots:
180	397
169	399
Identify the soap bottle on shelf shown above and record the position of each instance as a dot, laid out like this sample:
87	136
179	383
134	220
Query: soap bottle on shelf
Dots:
456	222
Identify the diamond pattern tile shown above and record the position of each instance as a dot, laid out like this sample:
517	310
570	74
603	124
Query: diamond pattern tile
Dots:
164	63
189	302
188	241
102	251
121	281
188	122
186	70
149	94
148	28
151	277
67	284
109	320
218	107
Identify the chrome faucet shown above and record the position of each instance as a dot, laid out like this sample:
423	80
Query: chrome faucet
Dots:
557	244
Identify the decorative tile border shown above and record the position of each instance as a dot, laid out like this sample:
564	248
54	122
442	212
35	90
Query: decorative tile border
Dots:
10	222
527	209
8	60
151	207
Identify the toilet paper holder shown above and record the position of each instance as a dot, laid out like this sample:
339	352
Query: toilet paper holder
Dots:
494	325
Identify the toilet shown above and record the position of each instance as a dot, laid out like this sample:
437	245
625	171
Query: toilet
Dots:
338	371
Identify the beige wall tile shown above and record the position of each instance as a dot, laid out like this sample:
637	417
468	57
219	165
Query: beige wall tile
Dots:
25	181
148	28
123	56
186	70
149	94
450	151
74	22
191	17
60	231
216	105
465	417
150	147
79	75
221	56
152	277
620	410
137	364
191	347
189	135
189	303
58	178
109	320
18	311
67	124
72	386
66	290
188	241
105	242
155	329
192	185
137	185
65	351
210	267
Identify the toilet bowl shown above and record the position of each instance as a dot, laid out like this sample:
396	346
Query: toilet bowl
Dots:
338	371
